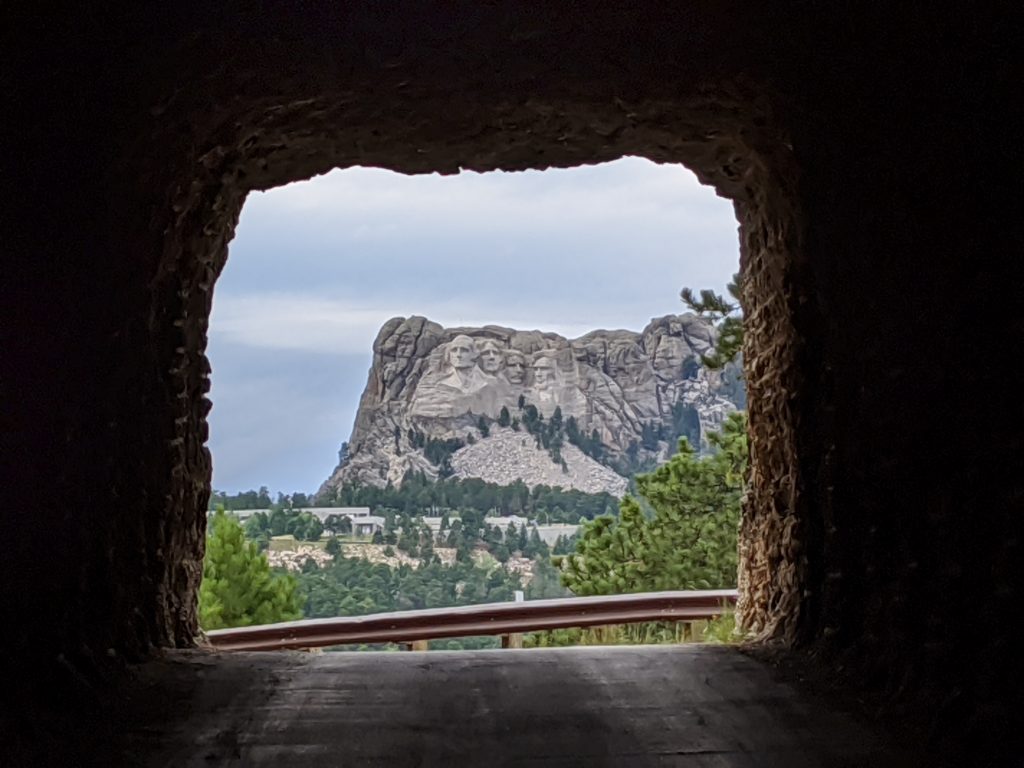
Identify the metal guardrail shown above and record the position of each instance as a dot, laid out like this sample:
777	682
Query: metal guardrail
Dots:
475	620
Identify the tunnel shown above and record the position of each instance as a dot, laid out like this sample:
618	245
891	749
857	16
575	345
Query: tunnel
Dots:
872	156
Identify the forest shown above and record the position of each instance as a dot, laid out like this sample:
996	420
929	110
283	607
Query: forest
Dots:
419	495
683	537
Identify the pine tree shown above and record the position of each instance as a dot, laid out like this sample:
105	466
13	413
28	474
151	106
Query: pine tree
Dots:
690	542
238	588
504	419
572	430
721	311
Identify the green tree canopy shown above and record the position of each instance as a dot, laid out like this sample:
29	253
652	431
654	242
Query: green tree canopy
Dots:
723	313
690	540
239	589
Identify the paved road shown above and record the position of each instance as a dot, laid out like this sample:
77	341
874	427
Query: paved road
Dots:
651	706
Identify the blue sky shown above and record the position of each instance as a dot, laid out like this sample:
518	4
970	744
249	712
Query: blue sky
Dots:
317	267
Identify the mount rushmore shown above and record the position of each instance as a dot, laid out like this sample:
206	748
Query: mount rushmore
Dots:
635	393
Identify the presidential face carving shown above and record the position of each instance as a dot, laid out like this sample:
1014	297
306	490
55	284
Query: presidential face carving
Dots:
544	372
491	358
462	352
515	367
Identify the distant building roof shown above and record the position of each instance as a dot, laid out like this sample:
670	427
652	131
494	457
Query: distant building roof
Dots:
549	534
322	513
245	514
504	522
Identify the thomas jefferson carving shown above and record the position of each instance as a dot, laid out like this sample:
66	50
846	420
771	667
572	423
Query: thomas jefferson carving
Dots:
491	359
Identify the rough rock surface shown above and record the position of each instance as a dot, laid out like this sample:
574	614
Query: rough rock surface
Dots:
437	382
507	456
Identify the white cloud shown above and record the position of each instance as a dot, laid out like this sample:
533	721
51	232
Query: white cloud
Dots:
383	202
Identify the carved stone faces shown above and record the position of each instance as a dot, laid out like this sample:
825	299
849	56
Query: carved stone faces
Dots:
441	381
545	371
462	352
491	358
515	367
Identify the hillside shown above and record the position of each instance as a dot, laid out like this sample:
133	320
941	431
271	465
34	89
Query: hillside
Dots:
506	456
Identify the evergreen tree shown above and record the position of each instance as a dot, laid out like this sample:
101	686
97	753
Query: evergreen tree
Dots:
530	418
256	525
572	430
546	582
555	425
481	425
690	541
723	313
504	419
238	588
446	470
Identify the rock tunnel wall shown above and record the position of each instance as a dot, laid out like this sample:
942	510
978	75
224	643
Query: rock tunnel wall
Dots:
860	154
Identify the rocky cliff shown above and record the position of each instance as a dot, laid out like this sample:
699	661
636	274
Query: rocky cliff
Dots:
625	397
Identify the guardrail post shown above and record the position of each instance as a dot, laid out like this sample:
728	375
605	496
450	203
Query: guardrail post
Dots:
514	639
697	628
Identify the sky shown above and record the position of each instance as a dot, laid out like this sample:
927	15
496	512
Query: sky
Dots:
317	267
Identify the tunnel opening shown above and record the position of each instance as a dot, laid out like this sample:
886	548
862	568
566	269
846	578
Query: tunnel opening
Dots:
197	183
535	267
772	559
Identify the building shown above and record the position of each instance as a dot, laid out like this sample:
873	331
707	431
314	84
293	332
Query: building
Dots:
549	534
363	523
505	522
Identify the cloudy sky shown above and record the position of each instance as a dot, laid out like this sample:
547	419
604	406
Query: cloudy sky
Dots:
317	267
